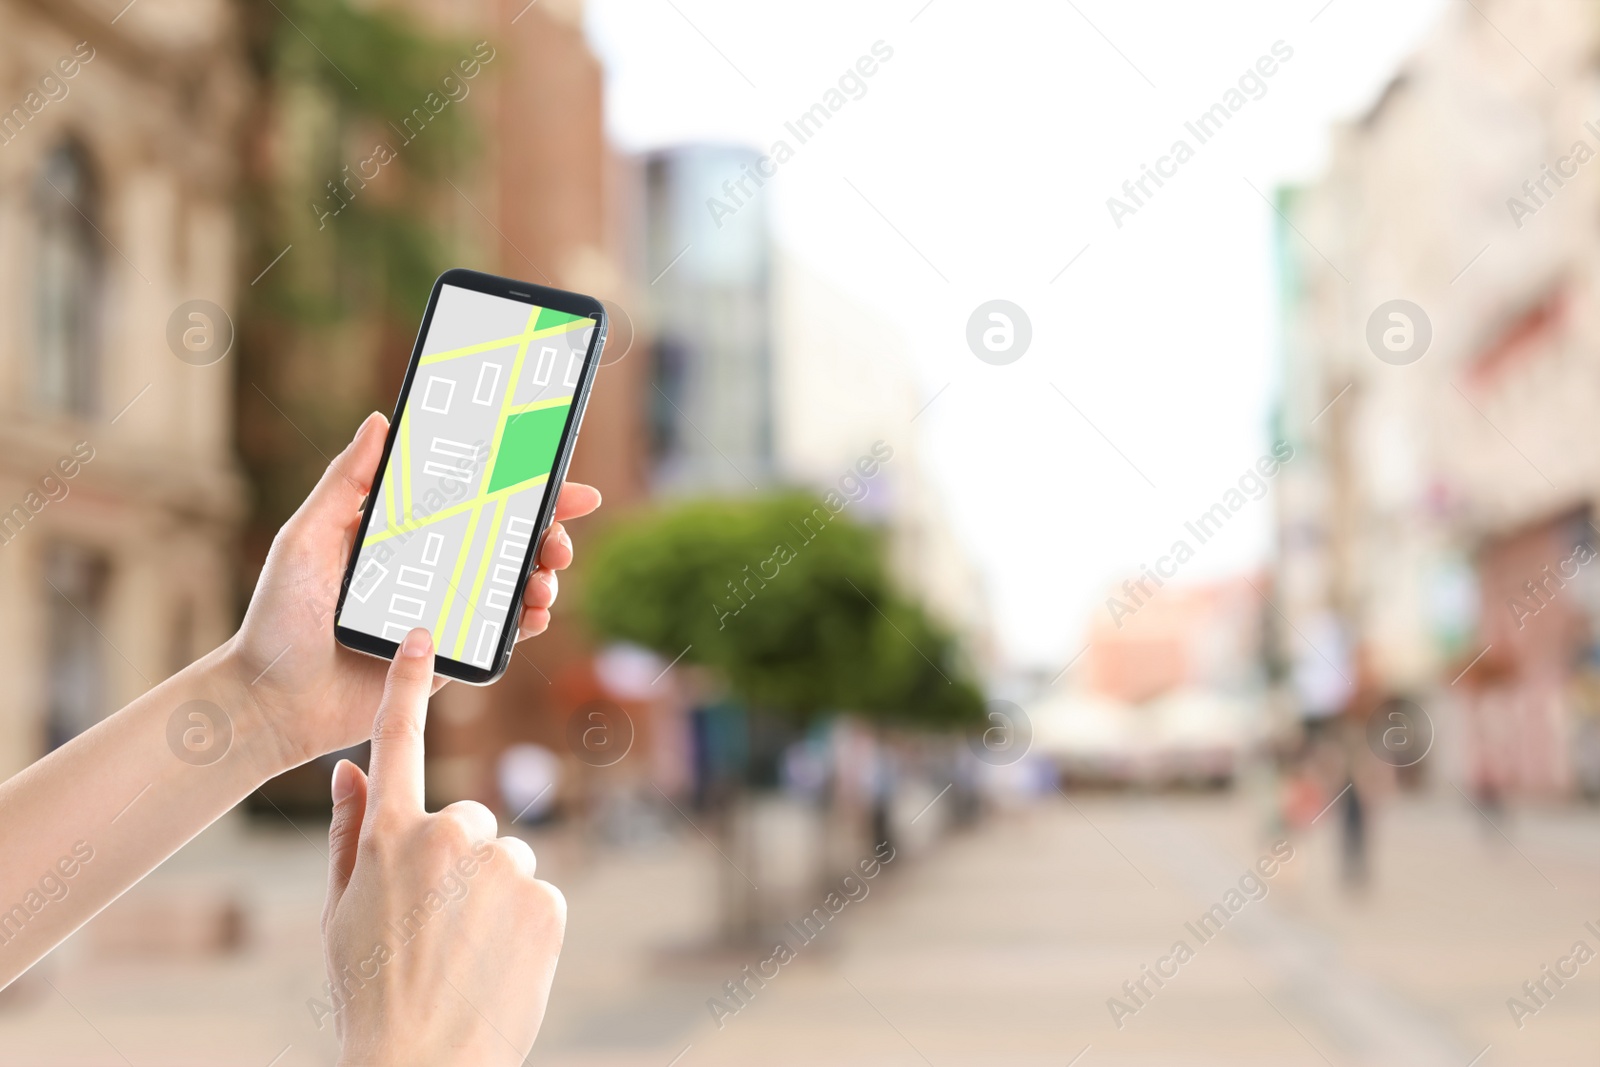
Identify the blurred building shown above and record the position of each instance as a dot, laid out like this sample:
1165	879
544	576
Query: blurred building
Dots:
1203	636
1166	695
710	281
1447	461
531	190
843	384
548	201
765	375
688	399
119	492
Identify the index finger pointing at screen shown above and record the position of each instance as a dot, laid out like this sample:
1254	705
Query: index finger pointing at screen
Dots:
396	776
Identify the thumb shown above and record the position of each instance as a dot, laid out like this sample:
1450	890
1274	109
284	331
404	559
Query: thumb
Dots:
349	809
336	499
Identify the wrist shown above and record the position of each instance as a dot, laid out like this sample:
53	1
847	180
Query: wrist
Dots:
257	740
387	1051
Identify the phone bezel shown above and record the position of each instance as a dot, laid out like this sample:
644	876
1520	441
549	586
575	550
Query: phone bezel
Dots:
526	293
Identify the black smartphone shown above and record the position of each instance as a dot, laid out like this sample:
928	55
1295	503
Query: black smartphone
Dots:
476	454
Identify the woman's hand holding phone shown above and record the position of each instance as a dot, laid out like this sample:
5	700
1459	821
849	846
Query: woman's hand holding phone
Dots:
313	695
441	944
132	790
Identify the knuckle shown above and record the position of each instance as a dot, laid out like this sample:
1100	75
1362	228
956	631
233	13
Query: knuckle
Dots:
497	856
342	833
448	828
405	673
341	475
548	905
392	726
387	829
476	819
441	845
448	838
471	808
287	547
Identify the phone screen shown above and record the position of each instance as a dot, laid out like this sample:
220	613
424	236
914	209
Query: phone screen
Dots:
456	507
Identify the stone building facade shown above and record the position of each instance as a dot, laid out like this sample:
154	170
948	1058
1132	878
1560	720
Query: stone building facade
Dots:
1441	379
119	496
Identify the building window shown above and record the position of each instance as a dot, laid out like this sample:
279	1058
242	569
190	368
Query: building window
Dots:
671	373
68	279
76	593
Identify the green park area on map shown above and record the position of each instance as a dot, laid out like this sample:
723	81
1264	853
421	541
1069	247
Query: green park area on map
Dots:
528	449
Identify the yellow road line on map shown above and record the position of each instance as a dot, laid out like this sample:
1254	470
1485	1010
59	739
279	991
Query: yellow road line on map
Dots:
564	327
455	577
455	509
528	334
470	350
505	405
405	462
537	405
483	571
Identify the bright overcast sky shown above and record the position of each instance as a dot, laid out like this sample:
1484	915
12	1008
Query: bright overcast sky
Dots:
991	141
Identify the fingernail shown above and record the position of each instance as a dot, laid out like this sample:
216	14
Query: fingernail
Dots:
417	643
344	780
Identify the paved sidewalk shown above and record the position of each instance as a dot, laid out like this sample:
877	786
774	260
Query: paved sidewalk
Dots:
1004	946
1001	946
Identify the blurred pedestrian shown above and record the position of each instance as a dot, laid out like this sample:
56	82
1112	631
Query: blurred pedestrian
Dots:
1322	675
1360	768
529	777
1489	705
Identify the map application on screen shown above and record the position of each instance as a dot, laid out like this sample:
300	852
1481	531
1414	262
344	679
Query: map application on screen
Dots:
455	511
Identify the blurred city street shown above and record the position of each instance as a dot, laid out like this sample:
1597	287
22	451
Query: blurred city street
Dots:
1002	946
1077	552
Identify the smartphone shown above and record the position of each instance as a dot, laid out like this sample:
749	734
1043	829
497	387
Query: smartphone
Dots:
476	454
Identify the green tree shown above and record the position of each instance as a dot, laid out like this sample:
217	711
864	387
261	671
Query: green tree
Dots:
793	607
791	604
322	332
